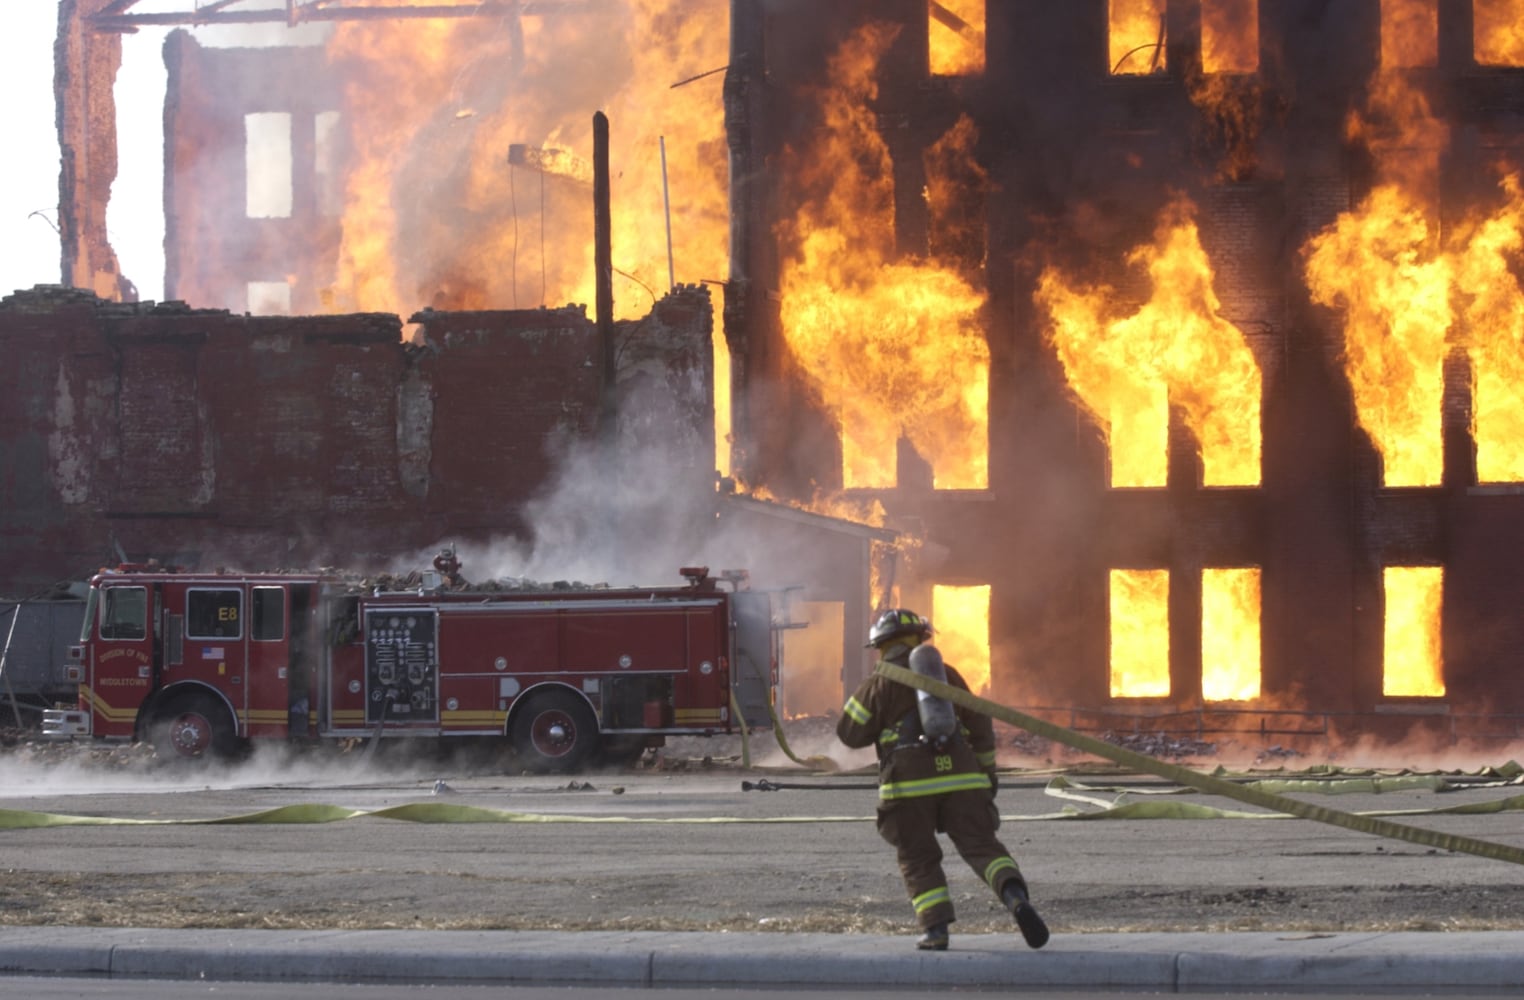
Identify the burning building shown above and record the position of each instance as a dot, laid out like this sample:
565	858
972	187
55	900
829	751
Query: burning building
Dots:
1183	328
1169	344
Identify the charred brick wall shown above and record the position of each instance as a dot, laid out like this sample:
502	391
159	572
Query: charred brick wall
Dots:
85	64
202	437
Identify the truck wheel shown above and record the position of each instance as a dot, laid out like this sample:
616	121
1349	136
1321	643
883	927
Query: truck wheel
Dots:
555	732
192	727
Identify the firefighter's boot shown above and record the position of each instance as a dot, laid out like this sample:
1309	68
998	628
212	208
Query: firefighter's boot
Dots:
1028	921
935	938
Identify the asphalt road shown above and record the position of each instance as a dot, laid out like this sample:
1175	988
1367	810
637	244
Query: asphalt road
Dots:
689	850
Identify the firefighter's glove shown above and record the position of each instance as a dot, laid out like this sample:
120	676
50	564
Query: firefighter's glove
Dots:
994	783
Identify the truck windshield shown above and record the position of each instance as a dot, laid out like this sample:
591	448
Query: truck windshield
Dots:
92	602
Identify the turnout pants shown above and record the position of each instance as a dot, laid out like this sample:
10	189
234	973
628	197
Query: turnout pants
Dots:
969	819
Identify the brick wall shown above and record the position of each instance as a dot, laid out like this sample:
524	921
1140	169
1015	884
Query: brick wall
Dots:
196	435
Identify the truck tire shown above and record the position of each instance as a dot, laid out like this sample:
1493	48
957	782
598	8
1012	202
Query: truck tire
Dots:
192	728
555	732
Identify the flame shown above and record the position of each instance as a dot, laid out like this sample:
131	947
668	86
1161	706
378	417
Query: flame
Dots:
722	412
1227	92
954	179
1413	664
1494	336
1409	33
893	348
1139	633
1378	263
955	37
1498	32
811	682
961	617
435	215
1230	647
1137	36
1175	348
1230	36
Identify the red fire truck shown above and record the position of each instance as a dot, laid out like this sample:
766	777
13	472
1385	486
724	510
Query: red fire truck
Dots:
204	665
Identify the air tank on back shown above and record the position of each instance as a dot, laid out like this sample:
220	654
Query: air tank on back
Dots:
938	720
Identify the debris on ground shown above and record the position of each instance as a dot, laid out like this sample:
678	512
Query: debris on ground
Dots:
1161	745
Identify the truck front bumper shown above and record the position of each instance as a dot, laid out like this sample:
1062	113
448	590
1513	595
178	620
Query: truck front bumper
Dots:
64	723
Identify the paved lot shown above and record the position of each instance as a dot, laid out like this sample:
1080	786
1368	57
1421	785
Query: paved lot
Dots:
689	850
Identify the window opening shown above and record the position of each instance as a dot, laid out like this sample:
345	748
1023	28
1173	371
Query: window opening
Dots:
213	614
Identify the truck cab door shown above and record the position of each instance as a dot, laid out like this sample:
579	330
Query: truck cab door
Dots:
751	677
120	667
269	659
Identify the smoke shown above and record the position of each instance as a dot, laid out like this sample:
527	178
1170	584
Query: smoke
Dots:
632	515
44	770
610	514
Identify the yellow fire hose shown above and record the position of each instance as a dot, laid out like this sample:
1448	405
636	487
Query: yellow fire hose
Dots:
1195	779
1060	787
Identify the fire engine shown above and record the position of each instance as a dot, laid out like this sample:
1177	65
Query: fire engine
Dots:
204	665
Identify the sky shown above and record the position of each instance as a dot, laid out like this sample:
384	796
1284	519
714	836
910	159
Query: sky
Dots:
29	249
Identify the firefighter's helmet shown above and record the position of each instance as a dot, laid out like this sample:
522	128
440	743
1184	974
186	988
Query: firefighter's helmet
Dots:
896	623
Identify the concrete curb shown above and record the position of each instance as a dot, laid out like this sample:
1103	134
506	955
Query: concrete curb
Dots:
1487	960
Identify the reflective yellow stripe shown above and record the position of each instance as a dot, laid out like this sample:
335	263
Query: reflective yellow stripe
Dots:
997	866
933	786
889	736
855	711
986	759
930	898
487	717
98	705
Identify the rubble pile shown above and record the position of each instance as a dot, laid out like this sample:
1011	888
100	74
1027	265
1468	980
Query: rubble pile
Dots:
1161	745
357	582
24	747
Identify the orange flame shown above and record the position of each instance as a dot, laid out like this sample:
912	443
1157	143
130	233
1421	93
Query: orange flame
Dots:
893	348
1413	664
1226	91
1494	335
435	215
1379	264
955	37
1498	32
1137	36
1230	36
1140	633
1409	33
1175	347
954	179
1230	646
812	682
722	404
961	617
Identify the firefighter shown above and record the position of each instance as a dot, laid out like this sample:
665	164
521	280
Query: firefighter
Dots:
931	784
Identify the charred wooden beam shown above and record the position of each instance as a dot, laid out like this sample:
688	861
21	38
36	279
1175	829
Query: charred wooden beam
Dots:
549	160
966	31
603	263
